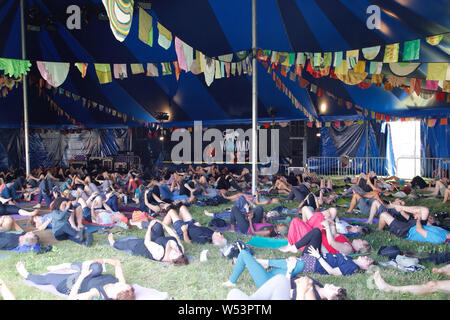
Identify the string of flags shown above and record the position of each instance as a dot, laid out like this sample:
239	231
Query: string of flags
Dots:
41	84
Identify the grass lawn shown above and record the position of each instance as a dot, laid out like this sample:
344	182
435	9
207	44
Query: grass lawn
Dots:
202	280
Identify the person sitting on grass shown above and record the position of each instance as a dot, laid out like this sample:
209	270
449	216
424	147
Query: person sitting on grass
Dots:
250	222
155	246
189	230
411	228
63	222
429	287
87	283
311	262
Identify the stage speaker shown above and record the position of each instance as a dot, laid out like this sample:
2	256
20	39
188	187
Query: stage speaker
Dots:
297	129
297	152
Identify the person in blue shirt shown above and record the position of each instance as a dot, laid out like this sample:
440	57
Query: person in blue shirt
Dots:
416	228
310	262
428	233
63	223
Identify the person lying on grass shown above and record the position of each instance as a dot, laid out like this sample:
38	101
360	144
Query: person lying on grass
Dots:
446	195
100	213
281	287
261	198
87	283
324	223
412	228
281	186
187	229
429	287
310	262
155	246
251	222
13	241
7	209
439	188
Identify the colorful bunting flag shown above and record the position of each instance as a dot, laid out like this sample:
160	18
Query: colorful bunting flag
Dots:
437	71
165	36
103	71
145	27
391	53
411	50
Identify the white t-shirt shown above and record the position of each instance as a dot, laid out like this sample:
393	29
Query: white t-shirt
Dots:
341	227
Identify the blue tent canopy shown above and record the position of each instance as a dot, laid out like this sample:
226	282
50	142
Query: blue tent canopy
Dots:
218	28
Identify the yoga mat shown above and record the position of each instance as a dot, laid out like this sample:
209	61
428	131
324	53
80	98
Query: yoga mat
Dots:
141	293
18	217
358	220
262	242
223	215
128	208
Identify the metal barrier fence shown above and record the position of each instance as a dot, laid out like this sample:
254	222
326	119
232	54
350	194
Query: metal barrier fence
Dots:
406	167
424	167
346	166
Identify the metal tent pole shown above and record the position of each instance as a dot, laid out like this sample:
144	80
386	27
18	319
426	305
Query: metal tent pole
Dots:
25	90
254	102
367	147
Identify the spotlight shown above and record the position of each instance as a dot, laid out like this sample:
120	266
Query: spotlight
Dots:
161	116
161	138
318	135
323	107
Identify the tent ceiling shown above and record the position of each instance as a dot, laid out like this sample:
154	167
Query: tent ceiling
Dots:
217	28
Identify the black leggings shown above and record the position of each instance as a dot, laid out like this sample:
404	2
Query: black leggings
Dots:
56	279
237	217
311	239
6	209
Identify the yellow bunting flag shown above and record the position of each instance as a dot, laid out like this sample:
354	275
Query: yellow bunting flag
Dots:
437	71
103	71
391	53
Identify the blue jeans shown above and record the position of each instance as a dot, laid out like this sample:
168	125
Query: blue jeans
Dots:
257	272
113	203
9	193
46	197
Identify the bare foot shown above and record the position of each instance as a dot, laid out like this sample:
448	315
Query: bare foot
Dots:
21	269
380	283
209	214
229	284
111	239
288	248
136	224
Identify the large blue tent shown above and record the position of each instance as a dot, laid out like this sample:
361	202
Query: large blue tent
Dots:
218	28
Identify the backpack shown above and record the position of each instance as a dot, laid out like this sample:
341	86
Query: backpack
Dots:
232	250
389	251
217	222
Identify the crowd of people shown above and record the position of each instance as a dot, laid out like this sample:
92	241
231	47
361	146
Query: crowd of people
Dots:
69	199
